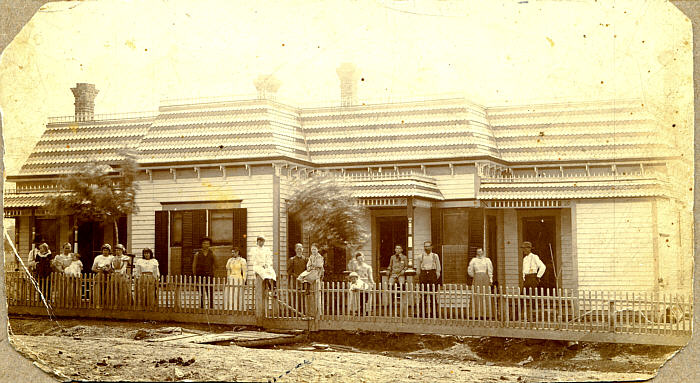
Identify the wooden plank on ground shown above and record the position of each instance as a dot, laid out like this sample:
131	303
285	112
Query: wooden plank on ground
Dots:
172	337
236	336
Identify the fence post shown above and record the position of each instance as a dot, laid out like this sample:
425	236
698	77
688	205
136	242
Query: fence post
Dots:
313	302
260	302
611	316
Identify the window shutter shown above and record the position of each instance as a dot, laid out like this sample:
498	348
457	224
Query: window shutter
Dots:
187	245
436	235
476	234
240	230
161	245
199	227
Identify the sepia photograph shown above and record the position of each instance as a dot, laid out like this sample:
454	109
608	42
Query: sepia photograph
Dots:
349	190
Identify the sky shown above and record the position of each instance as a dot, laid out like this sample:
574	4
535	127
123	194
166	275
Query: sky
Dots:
138	53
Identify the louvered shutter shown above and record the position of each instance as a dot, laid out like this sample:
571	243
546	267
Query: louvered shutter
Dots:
240	230
187	245
161	245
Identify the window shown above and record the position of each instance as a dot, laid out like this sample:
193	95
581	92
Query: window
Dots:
455	225
221	227
175	228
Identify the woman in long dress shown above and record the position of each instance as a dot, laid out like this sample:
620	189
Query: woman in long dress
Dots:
481	269
42	263
102	267
147	275
314	267
235	279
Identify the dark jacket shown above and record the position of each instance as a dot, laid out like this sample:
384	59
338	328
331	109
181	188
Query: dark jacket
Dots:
203	264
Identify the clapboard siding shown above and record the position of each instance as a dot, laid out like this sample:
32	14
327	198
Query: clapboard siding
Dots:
366	247
670	255
510	235
286	191
255	193
501	264
458	186
421	228
568	268
25	240
615	244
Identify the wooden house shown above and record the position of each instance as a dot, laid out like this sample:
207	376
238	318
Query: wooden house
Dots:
597	187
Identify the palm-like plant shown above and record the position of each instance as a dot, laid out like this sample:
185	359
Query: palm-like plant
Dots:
97	192
330	215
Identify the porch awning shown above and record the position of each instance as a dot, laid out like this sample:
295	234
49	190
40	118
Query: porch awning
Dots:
19	200
401	187
571	190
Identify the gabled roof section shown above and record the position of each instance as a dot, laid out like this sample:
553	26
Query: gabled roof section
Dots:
223	131
610	130
432	129
64	145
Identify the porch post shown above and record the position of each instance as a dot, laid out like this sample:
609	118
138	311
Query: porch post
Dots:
410	272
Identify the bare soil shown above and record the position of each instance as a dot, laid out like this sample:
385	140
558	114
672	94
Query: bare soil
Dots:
82	349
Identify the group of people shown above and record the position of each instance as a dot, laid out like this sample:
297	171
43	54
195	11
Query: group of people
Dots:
42	263
302	270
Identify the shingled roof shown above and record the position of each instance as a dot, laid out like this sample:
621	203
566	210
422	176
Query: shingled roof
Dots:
417	131
64	145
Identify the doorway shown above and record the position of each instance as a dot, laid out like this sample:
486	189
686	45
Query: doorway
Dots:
392	231
541	232
88	243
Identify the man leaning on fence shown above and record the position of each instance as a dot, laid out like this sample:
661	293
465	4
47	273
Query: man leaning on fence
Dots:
203	267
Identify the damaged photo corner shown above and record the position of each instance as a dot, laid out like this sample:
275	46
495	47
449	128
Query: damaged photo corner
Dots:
517	178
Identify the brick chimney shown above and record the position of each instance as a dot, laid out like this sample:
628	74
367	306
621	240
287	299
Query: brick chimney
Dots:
267	86
348	75
84	101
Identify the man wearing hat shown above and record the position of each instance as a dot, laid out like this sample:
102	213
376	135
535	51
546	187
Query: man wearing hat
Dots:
533	267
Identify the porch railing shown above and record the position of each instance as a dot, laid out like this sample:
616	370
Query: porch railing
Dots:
608	316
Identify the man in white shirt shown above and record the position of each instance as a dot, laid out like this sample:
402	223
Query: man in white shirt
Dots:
428	267
533	267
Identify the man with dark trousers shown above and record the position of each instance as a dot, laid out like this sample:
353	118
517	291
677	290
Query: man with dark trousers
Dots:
203	266
533	269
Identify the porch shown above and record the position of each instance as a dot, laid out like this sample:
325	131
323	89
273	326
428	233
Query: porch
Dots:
452	309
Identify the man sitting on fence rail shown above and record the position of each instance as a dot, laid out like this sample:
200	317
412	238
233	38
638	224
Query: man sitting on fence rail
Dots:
397	266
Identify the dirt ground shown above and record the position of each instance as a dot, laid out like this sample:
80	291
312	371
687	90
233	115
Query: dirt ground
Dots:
116	350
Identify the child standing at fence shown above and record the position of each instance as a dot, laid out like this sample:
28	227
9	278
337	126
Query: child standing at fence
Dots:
356	290
122	275
147	275
72	273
